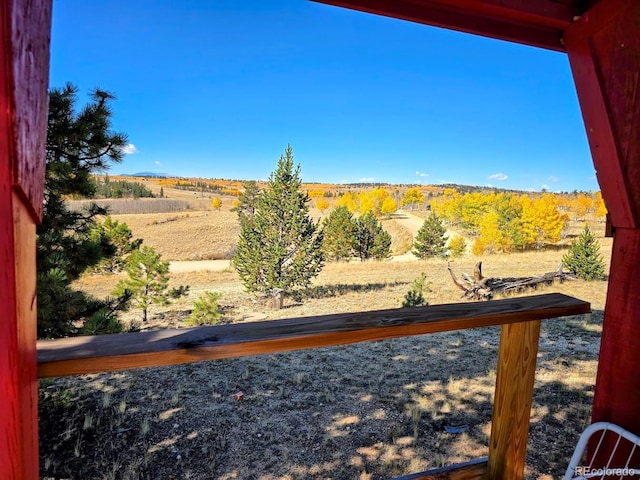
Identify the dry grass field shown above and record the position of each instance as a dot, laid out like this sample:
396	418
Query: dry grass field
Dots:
365	411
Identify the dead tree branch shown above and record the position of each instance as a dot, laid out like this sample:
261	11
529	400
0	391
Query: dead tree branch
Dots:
484	288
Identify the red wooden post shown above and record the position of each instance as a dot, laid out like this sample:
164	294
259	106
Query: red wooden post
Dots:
604	51
25	27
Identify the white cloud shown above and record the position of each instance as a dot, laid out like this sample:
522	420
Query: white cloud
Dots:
129	149
553	178
367	180
421	174
544	186
498	176
157	163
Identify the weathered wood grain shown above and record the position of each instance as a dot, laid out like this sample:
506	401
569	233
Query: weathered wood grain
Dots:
471	470
517	356
30	38
164	347
24	47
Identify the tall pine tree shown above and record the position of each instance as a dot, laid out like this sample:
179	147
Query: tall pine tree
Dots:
79	144
248	199
339	231
280	246
371	240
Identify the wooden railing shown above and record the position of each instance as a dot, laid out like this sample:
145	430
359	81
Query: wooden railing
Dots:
520	319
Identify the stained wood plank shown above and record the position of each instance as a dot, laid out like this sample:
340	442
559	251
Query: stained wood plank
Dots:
471	470
164	347
517	356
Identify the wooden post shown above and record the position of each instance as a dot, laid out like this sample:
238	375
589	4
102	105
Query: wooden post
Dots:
604	51
512	403
24	70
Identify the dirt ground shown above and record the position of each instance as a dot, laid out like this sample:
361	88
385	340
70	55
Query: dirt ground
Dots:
364	411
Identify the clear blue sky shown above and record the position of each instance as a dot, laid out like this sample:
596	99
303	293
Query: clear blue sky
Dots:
219	88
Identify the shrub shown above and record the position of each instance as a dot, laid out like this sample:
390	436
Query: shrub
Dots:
457	246
478	247
583	258
102	322
414	297
206	310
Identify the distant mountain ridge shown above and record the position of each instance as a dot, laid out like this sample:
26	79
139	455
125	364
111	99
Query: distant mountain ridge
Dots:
147	174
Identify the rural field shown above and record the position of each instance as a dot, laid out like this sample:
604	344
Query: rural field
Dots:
363	411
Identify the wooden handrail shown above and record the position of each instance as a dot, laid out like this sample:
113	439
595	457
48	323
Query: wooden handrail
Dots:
471	470
79	355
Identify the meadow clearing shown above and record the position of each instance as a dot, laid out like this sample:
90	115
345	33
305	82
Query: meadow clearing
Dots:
364	411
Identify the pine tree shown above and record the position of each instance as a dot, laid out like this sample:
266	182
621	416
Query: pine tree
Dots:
583	258
431	239
280	247
148	281
338	231
248	200
118	235
371	240
79	144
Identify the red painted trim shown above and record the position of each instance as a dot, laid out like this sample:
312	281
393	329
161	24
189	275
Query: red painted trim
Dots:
22	140
538	24
617	393
11	460
30	37
605	109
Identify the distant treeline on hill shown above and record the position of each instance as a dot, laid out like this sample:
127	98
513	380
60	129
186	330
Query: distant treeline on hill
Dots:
121	189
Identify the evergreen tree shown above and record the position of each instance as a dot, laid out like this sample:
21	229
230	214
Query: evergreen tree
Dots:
415	297
79	144
119	235
431	239
339	231
248	200
148	282
371	240
280	247
206	310
583	258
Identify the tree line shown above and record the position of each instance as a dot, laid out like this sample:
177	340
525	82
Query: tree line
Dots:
108	188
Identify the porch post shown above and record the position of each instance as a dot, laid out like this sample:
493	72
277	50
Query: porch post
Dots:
25	27
604	51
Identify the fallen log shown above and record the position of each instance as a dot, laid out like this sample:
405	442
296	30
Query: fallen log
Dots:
484	288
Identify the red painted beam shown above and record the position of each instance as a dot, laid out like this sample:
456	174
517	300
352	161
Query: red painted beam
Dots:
24	62
537	23
603	48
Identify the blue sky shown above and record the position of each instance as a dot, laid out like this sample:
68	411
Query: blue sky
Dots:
219	88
